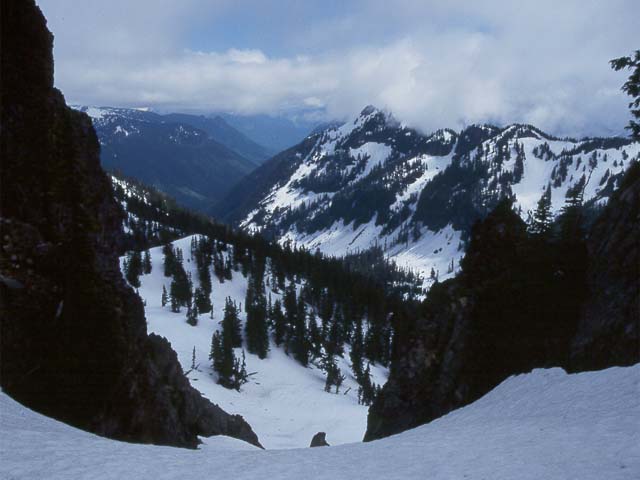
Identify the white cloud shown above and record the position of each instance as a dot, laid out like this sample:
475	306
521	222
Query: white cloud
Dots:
432	64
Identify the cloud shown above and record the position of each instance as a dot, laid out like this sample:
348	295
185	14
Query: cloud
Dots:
433	64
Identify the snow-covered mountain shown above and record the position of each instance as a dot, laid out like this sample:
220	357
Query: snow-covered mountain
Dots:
545	424
194	159
374	181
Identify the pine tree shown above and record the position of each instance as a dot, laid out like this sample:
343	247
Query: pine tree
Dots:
632	88
192	315
357	347
202	300
216	355
291	313
367	390
334	376
541	219
174	297
165	297
315	338
133	268
256	330
146	263
278	323
240	375
299	344
231	323
169	260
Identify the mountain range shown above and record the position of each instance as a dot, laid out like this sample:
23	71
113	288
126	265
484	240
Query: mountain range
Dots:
127	315
374	181
195	159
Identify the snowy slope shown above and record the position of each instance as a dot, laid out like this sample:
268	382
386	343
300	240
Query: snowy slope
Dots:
284	402
374	181
543	425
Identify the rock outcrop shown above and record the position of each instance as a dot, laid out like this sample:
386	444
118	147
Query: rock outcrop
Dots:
319	440
73	339
609	329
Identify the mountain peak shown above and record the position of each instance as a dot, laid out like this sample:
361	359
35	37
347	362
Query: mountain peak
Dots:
369	110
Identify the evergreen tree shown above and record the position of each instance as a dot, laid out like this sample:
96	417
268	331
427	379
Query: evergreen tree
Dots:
216	353
174	296
192	315
315	338
357	347
291	312
165	297
232	372
133	268
231	323
334	343
240	376
326	313
202	301
632	88
299	344
278	323
169	261
541	220
256	330
334	376
367	390
146	263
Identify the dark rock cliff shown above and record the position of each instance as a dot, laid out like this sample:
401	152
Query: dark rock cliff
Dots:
518	304
609	330
73	339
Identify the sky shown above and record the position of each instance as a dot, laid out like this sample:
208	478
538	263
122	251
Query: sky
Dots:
434	64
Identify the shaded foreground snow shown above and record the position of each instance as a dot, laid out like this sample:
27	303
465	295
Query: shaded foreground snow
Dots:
542	425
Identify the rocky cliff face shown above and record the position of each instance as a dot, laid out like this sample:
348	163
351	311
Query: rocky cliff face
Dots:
519	303
73	340
609	330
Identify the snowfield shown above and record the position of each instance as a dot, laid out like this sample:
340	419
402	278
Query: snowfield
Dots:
284	402
543	425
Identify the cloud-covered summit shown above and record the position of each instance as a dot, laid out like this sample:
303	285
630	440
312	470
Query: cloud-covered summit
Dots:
434	64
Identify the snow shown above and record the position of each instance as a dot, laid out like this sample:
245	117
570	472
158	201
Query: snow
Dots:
432	250
284	402
96	113
375	154
542	425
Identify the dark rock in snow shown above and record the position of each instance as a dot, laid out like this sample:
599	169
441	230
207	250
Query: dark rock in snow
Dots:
319	440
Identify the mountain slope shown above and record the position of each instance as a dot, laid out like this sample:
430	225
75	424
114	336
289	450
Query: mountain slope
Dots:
375	181
220	131
174	156
73	337
545	424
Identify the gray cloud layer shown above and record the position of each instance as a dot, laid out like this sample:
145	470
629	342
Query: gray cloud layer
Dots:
434	64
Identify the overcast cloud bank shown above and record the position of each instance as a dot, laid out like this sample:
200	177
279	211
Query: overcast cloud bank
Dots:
434	64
